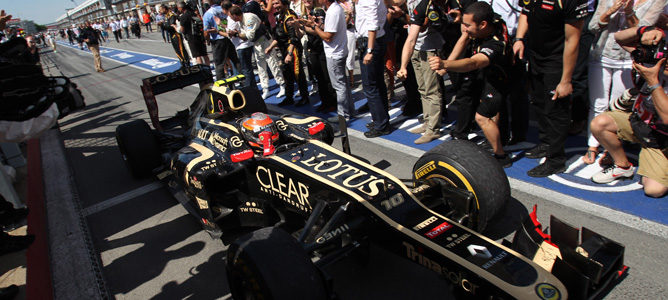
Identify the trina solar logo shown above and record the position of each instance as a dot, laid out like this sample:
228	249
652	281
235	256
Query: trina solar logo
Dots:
578	174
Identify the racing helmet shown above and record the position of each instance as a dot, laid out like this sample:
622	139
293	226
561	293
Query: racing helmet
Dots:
260	131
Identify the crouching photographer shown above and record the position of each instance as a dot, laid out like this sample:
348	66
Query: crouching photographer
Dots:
640	115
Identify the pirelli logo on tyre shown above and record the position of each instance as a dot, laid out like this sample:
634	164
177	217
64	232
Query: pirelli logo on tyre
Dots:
424	170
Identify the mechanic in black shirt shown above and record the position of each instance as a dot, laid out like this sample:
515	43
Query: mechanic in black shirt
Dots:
287	38
550	32
174	36
489	52
192	34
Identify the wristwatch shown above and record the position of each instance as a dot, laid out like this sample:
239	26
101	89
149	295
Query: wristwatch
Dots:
369	50
519	39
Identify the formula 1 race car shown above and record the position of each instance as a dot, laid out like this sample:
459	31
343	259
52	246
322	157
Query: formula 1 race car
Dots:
288	203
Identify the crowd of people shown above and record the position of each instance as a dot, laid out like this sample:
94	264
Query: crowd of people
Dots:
505	60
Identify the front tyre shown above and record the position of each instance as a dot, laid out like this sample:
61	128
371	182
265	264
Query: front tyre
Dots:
269	264
464	165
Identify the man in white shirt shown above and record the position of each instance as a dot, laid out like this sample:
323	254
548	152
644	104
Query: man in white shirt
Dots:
242	43
116	29
250	27
369	21
333	35
125	24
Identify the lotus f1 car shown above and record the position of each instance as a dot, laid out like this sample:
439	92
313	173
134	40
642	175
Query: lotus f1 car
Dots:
288	203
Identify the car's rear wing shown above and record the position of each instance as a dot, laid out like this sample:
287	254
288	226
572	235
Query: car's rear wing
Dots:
166	82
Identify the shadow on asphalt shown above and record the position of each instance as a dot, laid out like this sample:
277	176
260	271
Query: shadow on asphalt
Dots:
192	288
507	220
152	253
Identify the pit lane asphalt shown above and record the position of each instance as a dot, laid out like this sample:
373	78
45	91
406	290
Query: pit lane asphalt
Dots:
150	248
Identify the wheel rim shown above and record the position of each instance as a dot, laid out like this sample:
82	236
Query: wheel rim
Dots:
466	218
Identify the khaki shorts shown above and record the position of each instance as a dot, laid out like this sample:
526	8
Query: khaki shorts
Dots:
652	163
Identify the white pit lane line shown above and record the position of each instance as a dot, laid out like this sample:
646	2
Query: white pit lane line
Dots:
121	198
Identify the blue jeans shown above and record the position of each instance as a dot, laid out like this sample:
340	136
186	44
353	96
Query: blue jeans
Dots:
373	83
245	62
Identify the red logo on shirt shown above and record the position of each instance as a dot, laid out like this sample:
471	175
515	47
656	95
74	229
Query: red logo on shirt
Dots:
548	7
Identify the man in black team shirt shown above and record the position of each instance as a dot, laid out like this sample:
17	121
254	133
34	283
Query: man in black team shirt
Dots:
550	31
487	51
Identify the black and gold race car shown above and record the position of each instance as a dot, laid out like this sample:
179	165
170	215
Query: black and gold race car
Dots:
288	203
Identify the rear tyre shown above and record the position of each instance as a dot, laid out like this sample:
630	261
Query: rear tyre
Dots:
269	264
464	165
139	147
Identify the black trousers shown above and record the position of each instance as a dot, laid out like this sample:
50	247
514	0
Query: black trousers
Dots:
554	116
179	48
466	102
222	50
580	109
289	70
319	70
517	104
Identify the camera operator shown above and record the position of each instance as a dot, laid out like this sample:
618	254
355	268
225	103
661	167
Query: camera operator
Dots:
317	56
490	53
646	124
192	33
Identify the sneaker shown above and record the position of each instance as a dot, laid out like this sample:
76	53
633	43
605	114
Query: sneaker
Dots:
546	169
613	173
427	137
504	160
418	130
372	133
281	92
265	94
539	151
606	160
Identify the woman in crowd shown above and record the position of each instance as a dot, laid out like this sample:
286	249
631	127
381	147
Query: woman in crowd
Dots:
609	64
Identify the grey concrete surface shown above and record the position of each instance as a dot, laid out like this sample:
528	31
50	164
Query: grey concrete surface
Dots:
151	249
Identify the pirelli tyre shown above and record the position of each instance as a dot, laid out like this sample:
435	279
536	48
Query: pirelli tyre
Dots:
464	165
269	264
139	147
